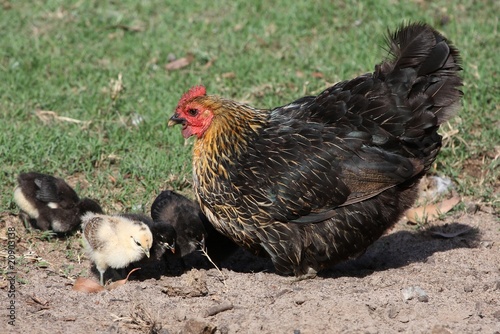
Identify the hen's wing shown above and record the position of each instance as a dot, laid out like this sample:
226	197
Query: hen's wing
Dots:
319	154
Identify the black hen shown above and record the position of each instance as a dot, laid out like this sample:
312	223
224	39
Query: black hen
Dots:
318	180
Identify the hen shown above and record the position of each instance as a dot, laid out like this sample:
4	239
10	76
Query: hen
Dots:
318	180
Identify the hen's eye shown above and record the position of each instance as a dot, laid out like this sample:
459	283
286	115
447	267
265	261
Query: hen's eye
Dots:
193	112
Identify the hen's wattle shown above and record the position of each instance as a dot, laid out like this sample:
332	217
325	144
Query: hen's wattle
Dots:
318	180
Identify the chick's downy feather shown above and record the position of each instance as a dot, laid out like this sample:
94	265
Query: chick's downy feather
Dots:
318	180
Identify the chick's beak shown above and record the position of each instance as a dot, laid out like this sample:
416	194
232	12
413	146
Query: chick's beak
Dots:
172	248
175	119
146	251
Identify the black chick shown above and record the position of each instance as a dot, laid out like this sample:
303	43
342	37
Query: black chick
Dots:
194	231
164	234
164	242
49	203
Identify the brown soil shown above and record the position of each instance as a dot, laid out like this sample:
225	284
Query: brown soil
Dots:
444	278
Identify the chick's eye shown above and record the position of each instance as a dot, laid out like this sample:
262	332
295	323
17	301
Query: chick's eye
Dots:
193	111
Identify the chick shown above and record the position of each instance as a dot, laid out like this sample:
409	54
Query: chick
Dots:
114	241
193	229
49	203
164	235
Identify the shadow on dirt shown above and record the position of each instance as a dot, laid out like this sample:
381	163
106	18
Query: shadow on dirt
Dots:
391	251
402	248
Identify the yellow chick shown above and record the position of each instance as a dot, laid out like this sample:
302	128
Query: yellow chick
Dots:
114	241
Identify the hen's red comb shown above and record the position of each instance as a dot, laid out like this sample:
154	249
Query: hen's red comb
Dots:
193	92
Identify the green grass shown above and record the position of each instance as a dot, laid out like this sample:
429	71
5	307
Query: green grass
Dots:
63	56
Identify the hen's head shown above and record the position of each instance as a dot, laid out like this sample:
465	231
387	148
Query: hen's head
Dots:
195	112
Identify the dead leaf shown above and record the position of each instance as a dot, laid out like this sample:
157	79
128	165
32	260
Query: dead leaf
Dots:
87	285
179	63
229	75
209	63
431	212
136	27
116	284
40	301
299	74
238	27
318	75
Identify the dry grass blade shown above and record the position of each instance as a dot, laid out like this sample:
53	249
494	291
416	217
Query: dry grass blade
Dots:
204	251
47	116
140	319
116	87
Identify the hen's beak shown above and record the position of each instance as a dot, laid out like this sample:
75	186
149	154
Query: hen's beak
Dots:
175	119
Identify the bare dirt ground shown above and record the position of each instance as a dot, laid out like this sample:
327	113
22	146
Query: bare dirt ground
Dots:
444	278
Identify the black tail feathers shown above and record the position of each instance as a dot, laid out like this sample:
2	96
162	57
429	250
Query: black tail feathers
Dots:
427	67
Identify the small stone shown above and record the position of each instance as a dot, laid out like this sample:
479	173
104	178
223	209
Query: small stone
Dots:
414	292
440	330
496	315
468	288
423	298
486	244
163	331
392	312
404	320
171	57
299	299
472	207
199	327
224	329
479	309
